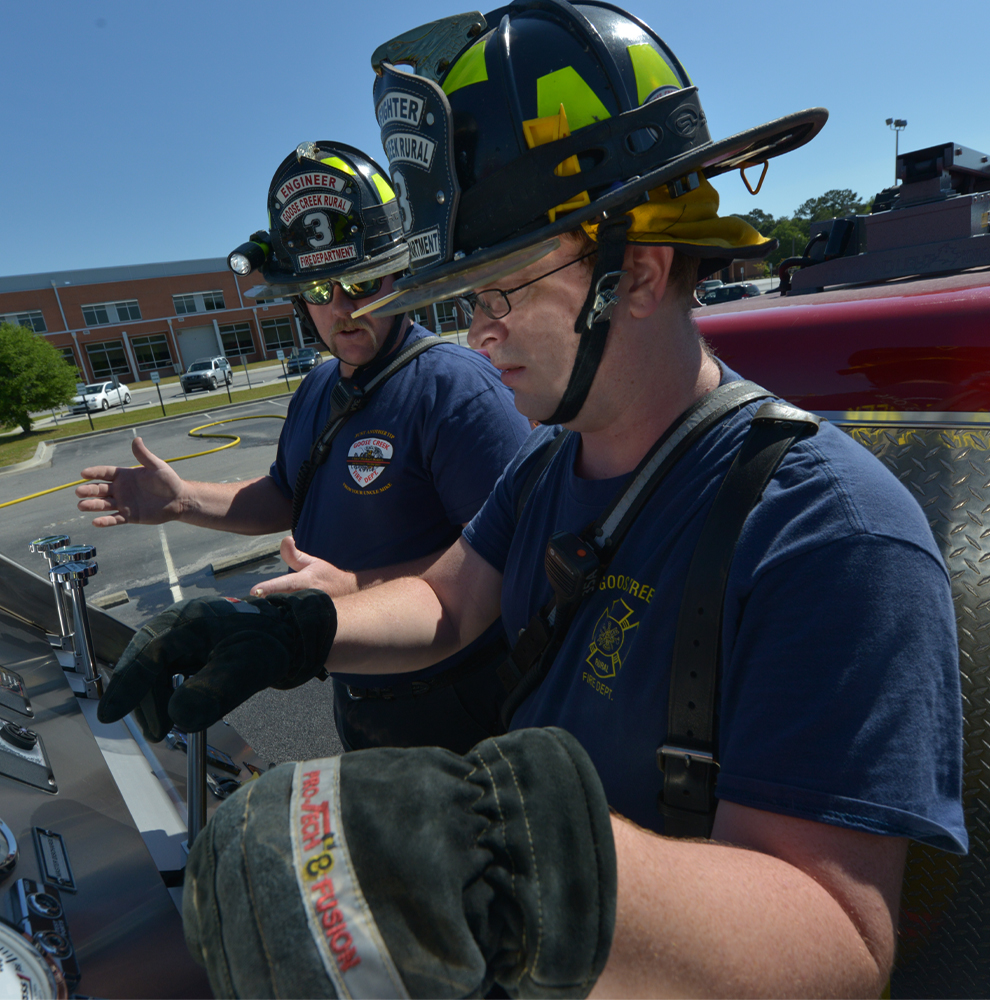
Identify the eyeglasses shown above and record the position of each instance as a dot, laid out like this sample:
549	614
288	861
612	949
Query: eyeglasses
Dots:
494	302
322	293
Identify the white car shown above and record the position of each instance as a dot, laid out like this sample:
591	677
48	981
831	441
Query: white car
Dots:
100	396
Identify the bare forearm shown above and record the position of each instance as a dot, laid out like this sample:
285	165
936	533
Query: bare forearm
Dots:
392	628
250	507
365	578
411	623
705	919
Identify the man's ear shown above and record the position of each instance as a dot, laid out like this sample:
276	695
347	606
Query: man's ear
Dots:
648	269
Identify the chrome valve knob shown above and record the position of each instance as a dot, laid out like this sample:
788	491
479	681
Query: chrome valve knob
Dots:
72	577
49	543
74	553
47	547
74	570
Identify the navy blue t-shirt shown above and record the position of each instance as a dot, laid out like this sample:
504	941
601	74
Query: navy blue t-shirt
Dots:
405	472
840	698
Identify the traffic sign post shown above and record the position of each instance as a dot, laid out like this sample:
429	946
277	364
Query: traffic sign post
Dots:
281	357
156	378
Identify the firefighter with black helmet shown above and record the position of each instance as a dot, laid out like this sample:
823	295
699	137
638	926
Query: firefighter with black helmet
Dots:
731	625
391	481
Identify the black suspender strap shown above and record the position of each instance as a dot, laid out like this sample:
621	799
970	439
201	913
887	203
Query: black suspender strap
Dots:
689	755
575	564
346	398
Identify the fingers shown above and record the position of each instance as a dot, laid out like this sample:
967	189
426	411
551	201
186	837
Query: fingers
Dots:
98	472
287	584
109	521
145	456
96	497
296	560
239	666
293	556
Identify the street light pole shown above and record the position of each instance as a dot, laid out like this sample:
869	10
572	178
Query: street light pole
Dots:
897	125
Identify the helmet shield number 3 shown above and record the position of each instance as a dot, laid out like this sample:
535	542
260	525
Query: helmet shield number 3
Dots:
416	126
316	207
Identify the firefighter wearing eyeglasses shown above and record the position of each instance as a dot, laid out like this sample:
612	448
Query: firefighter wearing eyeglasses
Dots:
402	475
731	625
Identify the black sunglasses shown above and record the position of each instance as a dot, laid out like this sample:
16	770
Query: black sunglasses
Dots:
320	294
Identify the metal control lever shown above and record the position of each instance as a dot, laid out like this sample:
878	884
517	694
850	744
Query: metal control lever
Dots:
72	577
195	778
47	547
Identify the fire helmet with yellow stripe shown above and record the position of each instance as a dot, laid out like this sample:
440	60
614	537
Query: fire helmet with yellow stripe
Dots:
332	213
520	125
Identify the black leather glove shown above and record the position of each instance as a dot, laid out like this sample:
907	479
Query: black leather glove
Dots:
409	872
230	650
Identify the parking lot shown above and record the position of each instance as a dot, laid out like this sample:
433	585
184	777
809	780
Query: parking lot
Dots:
157	565
145	402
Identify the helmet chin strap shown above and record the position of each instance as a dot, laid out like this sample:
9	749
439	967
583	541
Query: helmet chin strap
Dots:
594	319
387	345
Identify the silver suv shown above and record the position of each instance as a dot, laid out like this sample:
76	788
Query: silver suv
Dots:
206	373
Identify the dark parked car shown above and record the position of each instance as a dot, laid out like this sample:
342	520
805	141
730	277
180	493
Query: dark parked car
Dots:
206	373
729	293
304	360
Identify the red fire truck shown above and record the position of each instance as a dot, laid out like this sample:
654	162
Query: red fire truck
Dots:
883	326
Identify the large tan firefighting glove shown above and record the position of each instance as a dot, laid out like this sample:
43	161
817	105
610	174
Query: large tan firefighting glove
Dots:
409	872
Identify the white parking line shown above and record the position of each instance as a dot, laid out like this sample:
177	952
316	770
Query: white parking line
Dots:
173	578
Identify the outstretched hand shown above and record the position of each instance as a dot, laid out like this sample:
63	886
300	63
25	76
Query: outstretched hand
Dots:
150	493
309	573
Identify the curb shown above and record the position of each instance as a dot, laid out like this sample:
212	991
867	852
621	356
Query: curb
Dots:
114	600
42	459
266	551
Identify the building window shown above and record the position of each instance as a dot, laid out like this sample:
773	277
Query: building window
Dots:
197	302
101	313
263	300
446	312
278	334
32	320
70	358
107	359
422	316
237	340
152	353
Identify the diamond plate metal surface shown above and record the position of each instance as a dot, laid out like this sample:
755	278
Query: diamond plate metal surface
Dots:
944	937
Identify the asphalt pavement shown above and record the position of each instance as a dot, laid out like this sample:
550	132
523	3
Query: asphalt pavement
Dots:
157	565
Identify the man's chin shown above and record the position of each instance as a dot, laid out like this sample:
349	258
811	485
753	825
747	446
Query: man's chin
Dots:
535	410
353	347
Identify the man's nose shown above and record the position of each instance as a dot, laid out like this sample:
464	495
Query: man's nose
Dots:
341	302
484	331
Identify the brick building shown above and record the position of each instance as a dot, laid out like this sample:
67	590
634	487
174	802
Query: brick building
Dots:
133	320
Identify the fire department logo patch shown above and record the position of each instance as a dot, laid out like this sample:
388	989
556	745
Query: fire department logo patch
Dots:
605	651
368	458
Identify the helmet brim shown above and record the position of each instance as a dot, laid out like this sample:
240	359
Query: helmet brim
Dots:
393	261
742	150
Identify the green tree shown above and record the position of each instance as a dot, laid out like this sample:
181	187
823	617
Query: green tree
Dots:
33	376
761	221
831	205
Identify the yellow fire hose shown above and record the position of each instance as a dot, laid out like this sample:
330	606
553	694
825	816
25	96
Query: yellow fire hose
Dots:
235	440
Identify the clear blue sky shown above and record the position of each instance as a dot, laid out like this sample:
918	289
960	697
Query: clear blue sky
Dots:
135	131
